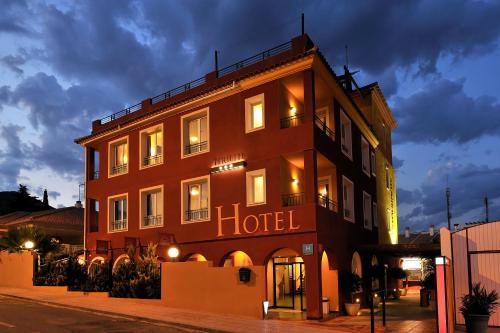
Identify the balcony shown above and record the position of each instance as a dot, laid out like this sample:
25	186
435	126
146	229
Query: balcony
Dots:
292	121
196	215
327	203
94	175
117	169
293	199
118	225
195	148
153	160
324	128
152	221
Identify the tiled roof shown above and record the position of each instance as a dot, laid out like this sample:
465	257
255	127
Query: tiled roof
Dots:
420	238
62	216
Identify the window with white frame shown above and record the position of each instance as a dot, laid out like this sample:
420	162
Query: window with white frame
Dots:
151	146
195	133
256	187
365	156
345	134
254	113
367	210
373	164
348	198
118	156
151	207
375	215
196	199
118	213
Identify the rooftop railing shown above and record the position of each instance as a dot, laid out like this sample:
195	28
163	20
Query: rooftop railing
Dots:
198	82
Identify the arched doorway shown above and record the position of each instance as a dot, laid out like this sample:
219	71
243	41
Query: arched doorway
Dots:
356	265
286	280
121	259
94	265
196	257
330	283
237	259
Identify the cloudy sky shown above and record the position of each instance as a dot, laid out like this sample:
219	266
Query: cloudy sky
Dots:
65	63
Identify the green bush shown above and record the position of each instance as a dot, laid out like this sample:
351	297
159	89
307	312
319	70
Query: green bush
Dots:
479	302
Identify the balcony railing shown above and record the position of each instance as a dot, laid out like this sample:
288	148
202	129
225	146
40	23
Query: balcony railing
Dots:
119	225
322	125
94	175
117	169
152	160
292	121
152	220
195	148
196	215
293	199
325	201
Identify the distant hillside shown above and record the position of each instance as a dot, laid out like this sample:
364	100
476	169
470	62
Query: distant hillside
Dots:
11	201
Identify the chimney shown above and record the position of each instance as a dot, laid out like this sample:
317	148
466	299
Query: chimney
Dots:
78	204
431	230
456	226
407	232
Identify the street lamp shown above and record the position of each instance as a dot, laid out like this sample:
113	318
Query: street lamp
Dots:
29	245
173	252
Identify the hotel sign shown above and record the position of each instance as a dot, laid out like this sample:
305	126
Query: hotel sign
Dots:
235	224
307	249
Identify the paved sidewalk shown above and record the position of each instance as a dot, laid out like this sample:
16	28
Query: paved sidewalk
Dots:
152	310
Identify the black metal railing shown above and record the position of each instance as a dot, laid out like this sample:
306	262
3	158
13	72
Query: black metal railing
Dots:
198	82
255	59
325	201
119	225
119	169
292	121
196	215
94	175
322	125
152	160
122	113
152	220
195	148
293	199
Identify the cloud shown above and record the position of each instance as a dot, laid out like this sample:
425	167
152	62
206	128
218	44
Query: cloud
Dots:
469	184
14	63
14	17
397	163
11	157
443	112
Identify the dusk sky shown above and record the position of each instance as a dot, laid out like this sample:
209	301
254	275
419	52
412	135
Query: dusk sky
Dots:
65	63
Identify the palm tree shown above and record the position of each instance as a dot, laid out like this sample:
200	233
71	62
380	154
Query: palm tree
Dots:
16	238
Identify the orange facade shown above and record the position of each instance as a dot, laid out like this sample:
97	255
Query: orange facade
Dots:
266	169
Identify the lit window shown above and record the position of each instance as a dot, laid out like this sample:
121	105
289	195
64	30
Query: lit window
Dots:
256	187
367	210
152	207
118	213
365	156
346	135
254	113
151	146
196	198
118	157
348	199
195	133
325	193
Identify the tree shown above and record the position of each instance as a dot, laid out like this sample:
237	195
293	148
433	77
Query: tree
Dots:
18	236
45	201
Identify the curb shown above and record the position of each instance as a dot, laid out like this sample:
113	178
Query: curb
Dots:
136	318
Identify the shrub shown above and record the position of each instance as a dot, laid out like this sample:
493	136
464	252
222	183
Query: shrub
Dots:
479	302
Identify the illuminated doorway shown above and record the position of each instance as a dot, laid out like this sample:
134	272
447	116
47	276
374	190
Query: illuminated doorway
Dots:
289	283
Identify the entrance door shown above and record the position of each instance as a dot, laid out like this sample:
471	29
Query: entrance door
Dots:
289	285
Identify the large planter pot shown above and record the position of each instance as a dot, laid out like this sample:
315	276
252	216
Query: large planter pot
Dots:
404	291
376	302
476	323
352	309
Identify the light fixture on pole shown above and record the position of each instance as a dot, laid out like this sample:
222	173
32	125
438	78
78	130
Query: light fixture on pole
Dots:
29	245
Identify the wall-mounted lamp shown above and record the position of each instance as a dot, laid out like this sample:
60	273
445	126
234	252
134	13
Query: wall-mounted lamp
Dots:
295	181
357	300
173	252
293	110
29	245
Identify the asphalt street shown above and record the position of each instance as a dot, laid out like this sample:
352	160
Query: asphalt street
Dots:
18	315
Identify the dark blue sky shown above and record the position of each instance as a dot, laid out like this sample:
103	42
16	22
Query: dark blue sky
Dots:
64	63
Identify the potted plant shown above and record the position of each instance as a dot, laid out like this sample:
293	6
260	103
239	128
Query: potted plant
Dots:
477	308
351	283
396	274
245	274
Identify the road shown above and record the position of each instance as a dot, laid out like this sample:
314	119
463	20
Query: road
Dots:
18	315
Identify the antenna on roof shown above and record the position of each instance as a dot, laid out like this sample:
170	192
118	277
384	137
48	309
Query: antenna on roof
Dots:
448	195
346	57
216	58
302	23
486	208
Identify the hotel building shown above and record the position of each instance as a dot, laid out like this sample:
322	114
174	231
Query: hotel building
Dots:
273	161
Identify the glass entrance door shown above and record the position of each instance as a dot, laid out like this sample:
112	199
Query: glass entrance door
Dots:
289	285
